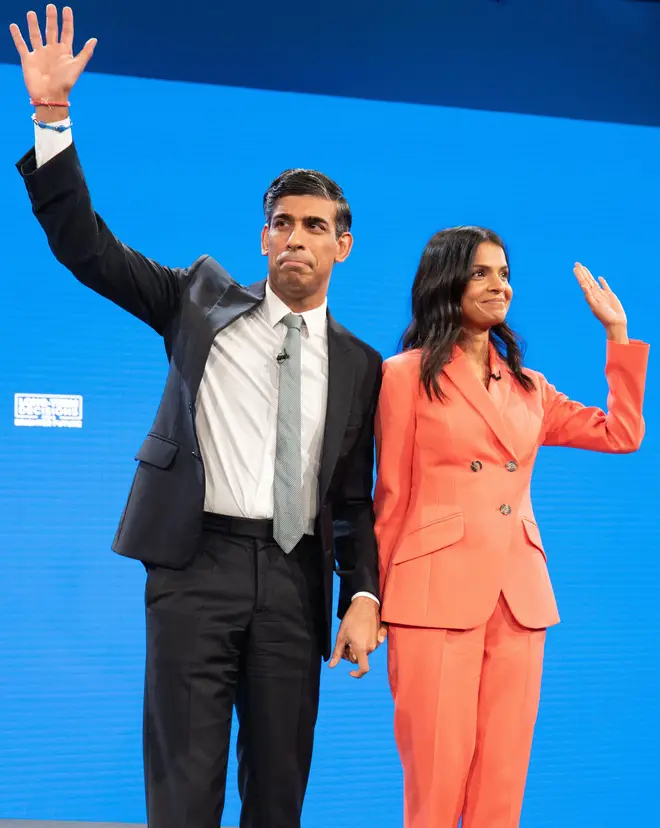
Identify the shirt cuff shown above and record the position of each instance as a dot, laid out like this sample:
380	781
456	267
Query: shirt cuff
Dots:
48	142
365	595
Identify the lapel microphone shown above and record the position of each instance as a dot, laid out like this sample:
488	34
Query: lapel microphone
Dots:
282	356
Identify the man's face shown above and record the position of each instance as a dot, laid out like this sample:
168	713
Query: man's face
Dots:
302	246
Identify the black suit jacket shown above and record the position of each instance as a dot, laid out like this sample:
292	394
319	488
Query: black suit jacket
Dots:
162	521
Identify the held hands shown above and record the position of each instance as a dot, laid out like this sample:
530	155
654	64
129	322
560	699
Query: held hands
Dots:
50	70
359	635
605	305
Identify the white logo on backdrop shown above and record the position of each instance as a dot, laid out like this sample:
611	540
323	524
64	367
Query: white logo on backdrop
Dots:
48	410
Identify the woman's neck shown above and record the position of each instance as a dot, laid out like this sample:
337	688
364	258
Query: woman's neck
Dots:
475	346
477	352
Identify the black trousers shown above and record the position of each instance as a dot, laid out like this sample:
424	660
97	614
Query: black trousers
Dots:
242	625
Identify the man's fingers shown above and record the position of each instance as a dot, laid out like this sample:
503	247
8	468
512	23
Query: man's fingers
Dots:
85	54
33	29
340	645
363	664
51	24
17	37
382	635
67	27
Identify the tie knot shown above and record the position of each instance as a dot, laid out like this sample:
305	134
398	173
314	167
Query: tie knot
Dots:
293	320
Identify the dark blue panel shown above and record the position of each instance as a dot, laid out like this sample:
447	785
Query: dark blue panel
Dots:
588	59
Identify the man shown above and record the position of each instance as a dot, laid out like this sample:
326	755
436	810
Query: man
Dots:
237	529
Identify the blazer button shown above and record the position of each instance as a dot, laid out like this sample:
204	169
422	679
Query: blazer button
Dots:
476	465
511	466
505	509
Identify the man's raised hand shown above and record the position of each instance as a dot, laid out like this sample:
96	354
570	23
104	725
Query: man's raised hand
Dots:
50	69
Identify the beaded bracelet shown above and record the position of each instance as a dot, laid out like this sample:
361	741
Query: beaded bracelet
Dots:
54	127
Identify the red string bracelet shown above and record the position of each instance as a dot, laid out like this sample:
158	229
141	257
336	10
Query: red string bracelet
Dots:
49	104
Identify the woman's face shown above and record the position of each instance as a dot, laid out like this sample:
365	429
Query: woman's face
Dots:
487	296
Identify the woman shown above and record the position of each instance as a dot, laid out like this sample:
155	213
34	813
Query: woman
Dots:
465	588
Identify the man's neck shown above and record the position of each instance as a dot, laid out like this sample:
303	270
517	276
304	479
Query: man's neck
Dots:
306	303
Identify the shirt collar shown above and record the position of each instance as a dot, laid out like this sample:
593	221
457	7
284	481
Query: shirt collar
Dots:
275	310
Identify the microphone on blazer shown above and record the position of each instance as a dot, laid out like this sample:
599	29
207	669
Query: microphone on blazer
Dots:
497	376
282	357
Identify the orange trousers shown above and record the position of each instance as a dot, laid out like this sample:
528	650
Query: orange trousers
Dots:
465	705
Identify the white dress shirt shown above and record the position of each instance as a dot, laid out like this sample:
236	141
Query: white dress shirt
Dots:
48	143
236	410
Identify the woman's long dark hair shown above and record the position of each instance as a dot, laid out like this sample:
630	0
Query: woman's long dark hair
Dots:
437	317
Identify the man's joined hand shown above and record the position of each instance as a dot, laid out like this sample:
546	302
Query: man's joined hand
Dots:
359	635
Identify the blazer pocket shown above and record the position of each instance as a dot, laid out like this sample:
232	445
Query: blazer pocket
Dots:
157	451
533	535
430	538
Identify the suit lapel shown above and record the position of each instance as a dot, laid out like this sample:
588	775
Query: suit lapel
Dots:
341	377
500	390
459	372
233	302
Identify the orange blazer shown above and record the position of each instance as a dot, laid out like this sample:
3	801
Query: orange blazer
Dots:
454	519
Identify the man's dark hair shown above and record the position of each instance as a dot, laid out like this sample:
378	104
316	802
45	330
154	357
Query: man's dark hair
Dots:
301	182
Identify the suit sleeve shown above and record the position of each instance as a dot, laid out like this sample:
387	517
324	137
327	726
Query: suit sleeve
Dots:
395	439
620	430
82	242
353	514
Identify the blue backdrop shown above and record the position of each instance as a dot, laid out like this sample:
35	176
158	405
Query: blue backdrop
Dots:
182	173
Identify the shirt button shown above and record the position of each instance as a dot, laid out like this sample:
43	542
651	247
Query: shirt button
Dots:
476	465
511	466
505	509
